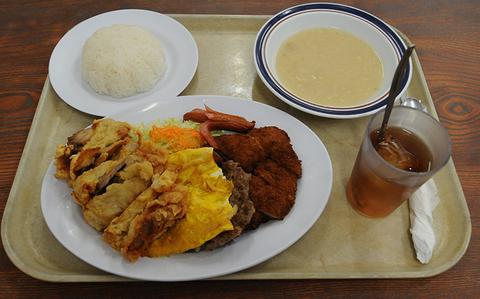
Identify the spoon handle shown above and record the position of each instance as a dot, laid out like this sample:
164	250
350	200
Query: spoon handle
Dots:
394	90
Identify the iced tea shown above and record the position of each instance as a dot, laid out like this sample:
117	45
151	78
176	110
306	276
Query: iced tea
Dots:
385	174
377	196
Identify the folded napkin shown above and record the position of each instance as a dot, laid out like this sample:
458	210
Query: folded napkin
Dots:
422	203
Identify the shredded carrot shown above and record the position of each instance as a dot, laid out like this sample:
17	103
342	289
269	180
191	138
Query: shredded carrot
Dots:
177	138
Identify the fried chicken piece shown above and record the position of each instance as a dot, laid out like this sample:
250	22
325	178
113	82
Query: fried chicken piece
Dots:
276	175
106	132
93	180
63	153
285	155
144	220
244	149
269	199
110	151
117	230
143	170
277	144
82	161
102	209
81	137
273	190
153	152
90	146
269	137
166	180
239	199
274	184
90	157
156	218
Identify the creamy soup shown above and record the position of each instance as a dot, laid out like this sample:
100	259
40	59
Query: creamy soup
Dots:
329	67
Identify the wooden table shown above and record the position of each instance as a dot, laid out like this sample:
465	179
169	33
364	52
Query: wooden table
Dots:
447	37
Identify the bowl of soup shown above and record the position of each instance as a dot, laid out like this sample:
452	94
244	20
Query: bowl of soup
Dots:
330	60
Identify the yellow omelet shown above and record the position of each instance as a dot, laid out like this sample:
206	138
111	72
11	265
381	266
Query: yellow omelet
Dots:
208	210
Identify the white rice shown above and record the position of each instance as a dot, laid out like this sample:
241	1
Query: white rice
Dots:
122	60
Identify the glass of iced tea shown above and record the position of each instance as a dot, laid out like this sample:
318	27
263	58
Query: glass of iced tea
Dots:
386	173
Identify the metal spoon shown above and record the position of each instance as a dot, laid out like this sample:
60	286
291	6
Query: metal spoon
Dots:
412	103
394	91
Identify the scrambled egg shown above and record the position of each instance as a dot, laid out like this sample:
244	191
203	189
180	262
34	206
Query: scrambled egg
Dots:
208	209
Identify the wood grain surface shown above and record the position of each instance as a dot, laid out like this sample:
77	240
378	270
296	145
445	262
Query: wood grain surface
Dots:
447	36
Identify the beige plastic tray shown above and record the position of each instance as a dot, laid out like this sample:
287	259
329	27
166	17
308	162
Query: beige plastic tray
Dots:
342	244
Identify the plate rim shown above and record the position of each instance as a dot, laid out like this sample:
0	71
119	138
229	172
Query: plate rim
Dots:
125	104
311	108
320	209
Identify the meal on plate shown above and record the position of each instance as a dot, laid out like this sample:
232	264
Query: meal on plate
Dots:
179	185
122	60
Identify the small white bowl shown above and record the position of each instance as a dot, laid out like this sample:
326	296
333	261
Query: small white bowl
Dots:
388	45
65	71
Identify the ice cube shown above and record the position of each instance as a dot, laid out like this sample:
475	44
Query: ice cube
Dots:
394	153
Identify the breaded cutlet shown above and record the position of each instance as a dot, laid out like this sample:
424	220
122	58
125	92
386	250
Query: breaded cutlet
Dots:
243	149
276	175
274	189
269	199
269	136
268	155
277	144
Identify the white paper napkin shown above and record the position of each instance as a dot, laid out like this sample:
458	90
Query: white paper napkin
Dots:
422	203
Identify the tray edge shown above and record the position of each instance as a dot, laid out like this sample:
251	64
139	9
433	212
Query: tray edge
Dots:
238	276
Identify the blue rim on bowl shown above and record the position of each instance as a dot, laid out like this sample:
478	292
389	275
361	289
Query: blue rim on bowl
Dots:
334	112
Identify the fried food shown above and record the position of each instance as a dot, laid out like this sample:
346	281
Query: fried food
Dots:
120	226
150	199
275	174
165	181
110	151
277	144
244	149
269	199
146	200
274	184
82	161
81	137
268	154
92	181
269	137
63	152
144	220
106	132
90	146
158	216
102	209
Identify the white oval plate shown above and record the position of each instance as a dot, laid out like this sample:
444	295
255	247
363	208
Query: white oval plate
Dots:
64	217
181	58
388	45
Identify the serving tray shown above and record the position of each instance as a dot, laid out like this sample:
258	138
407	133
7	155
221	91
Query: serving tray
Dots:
342	244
